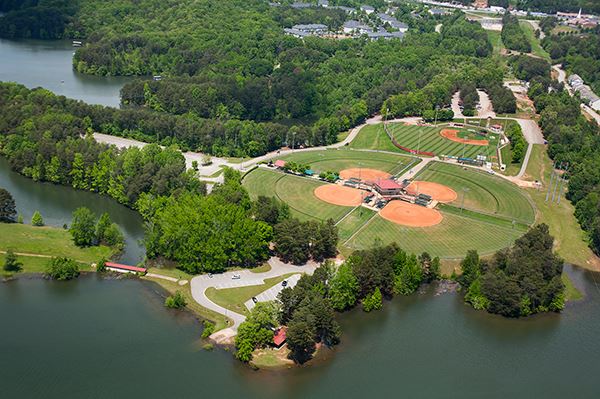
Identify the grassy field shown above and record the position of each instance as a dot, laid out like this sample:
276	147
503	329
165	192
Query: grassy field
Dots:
234	298
570	240
496	40
336	160
373	137
297	192
485	193
431	140
351	223
452	238
46	242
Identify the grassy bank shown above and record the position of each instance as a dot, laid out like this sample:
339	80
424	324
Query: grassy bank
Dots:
570	240
35	245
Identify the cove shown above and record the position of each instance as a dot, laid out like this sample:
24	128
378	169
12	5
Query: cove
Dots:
97	338
57	203
48	64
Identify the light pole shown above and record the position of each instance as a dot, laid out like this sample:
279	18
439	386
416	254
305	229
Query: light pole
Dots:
293	140
437	108
462	203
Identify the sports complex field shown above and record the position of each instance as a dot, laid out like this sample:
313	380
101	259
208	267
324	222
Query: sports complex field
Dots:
495	212
431	139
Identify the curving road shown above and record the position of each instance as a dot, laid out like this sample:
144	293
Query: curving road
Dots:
201	283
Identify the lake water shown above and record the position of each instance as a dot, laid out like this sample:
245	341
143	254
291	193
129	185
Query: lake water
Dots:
48	64
57	203
94	338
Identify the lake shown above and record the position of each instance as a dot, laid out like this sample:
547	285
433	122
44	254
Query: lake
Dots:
57	203
95	338
48	64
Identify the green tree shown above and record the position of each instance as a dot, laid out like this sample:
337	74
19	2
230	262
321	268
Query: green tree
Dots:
83	227
470	267
373	301
8	209
11	264
301	335
344	288
62	268
257	330
36	219
78	178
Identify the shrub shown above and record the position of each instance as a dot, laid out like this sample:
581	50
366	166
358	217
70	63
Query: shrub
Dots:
101	265
373	301
176	301
62	269
209	328
11	264
37	220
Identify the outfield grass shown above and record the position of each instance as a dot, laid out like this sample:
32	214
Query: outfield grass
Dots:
337	160
486	193
452	238
571	242
428	138
297	192
373	137
48	242
352	222
234	298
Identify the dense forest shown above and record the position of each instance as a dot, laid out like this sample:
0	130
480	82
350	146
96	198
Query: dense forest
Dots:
519	281
513	36
36	19
579	54
552	6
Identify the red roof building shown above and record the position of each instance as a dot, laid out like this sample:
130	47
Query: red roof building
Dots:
117	267
388	187
280	336
280	163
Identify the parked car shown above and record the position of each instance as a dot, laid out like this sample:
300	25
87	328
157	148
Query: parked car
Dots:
236	277
284	283
254	299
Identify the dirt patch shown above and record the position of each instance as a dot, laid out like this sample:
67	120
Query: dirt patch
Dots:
364	174
452	135
438	192
412	215
339	195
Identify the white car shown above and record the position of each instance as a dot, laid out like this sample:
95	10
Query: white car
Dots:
236	277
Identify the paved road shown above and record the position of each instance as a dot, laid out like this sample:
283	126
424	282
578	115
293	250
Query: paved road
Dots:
271	293
200	284
486	110
456	106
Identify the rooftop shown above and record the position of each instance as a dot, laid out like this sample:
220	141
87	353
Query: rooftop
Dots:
388	184
280	336
125	267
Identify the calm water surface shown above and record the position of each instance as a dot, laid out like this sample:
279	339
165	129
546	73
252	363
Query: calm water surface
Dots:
94	338
48	64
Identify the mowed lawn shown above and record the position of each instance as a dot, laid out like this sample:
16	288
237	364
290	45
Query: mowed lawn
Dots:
297	192
484	192
431	140
337	160
451	239
373	137
352	222
47	241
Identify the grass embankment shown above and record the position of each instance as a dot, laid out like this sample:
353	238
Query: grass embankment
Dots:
235	298
536	47
220	320
571	292
373	137
570	240
36	245
496	40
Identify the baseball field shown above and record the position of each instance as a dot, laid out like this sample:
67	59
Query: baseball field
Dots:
486	213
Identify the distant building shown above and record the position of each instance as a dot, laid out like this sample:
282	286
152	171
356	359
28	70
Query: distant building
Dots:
323	3
383	34
117	267
301	5
347	10
393	22
367	9
355	27
480	4
588	96
280	336
280	163
302	31
575	81
437	12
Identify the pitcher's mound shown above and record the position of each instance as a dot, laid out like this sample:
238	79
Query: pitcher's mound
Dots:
438	192
412	215
339	195
364	174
